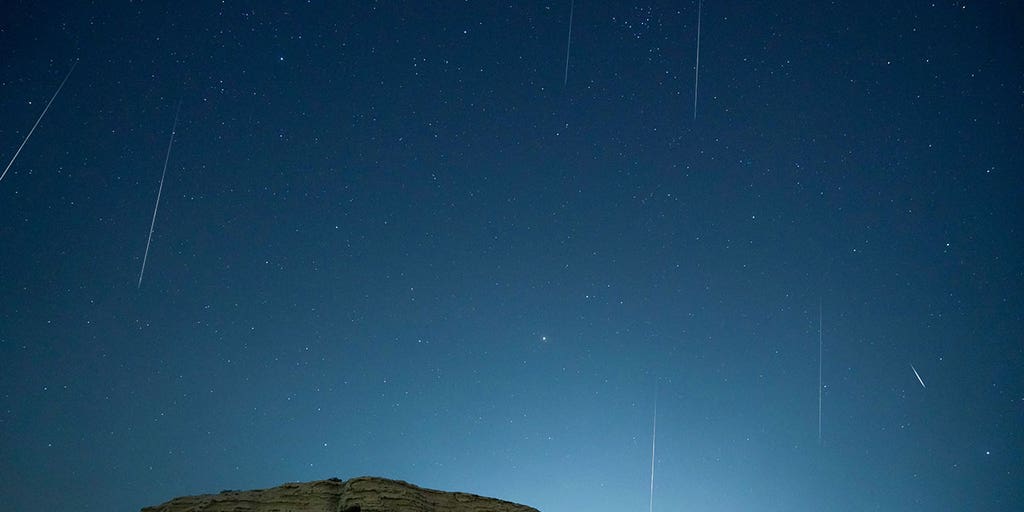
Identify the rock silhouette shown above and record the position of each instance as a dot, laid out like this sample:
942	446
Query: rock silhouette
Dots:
362	494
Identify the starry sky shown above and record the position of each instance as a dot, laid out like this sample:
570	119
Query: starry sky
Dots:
410	239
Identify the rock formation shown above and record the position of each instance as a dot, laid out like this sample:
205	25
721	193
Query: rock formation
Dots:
363	494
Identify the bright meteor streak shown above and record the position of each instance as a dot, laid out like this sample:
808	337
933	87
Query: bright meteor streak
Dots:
918	376
30	132
159	191
654	439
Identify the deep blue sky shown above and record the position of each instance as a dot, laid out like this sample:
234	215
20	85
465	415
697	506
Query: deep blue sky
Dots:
392	242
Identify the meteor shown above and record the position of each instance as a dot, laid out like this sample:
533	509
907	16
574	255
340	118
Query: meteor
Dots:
696	68
159	191
918	376
654	439
30	132
568	42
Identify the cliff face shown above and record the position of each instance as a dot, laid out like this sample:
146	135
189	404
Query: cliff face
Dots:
364	494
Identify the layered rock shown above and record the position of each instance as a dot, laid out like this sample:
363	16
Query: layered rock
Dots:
364	494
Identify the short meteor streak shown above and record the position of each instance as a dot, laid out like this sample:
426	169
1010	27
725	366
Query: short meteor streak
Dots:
918	376
30	132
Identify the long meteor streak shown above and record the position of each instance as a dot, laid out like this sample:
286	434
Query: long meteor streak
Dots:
159	191
568	43
654	439
696	68
18	152
918	376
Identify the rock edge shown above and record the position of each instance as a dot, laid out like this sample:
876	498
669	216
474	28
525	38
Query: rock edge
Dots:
361	494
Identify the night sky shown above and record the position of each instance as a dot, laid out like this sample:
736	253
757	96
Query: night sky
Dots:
399	239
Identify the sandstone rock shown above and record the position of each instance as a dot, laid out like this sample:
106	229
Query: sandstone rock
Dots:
363	494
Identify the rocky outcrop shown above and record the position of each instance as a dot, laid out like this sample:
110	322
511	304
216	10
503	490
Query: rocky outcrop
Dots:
363	494
319	496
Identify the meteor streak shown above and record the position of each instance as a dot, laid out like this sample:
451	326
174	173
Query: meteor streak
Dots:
917	375
696	68
654	439
568	42
30	132
159	191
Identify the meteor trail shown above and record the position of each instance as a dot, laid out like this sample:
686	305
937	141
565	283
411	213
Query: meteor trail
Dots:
159	191
654	439
918	376
696	68
568	43
18	152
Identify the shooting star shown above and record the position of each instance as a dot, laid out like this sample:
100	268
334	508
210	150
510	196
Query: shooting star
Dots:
654	439
18	152
918	376
159	191
568	43
696	68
